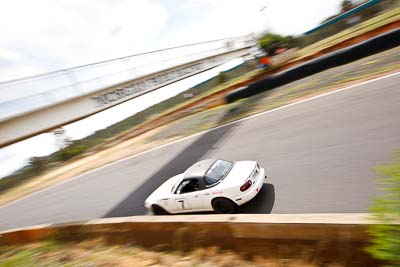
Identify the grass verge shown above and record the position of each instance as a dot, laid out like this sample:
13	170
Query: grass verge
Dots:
364	27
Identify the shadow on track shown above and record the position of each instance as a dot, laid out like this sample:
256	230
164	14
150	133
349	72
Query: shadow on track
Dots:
262	203
133	204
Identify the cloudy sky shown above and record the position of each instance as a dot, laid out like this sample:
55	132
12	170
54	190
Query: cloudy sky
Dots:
46	35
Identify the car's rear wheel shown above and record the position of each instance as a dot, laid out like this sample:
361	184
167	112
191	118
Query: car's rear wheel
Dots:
223	206
157	210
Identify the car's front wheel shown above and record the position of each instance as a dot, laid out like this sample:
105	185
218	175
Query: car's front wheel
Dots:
223	206
157	210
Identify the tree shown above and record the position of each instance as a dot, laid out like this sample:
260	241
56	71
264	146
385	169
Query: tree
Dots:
346	5
271	41
386	212
268	40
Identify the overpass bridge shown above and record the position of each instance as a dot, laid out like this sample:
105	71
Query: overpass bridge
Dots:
33	105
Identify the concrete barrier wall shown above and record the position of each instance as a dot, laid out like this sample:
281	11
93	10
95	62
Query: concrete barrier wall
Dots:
317	235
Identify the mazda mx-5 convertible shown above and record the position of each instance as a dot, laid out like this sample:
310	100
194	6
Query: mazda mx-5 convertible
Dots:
208	185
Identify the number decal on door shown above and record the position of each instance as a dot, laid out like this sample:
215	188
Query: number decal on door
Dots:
182	203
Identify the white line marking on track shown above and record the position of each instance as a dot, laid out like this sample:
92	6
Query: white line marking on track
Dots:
200	133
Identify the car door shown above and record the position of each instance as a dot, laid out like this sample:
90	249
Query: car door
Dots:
188	200
194	200
181	203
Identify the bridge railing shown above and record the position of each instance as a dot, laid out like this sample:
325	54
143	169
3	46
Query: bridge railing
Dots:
28	94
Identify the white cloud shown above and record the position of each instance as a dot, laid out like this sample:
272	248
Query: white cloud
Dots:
46	35
60	34
226	18
9	55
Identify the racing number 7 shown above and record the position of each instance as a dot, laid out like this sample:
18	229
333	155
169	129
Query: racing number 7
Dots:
183	203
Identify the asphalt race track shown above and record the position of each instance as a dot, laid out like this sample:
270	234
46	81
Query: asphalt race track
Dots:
319	157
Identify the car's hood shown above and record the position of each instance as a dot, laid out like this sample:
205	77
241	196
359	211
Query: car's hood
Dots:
240	172
164	190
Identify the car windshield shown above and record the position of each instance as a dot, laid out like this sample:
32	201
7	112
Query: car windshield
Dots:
217	171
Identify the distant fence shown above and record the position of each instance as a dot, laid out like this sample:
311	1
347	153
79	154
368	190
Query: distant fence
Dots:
346	20
344	15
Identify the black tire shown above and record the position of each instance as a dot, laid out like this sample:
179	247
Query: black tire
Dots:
223	206
157	210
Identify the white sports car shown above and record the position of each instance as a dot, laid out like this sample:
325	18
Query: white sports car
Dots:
207	185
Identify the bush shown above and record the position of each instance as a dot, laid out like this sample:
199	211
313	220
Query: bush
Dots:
386	212
69	152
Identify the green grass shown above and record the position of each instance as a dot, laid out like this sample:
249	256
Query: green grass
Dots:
21	259
28	257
